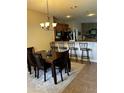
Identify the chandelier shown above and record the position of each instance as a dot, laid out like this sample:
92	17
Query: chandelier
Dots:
47	25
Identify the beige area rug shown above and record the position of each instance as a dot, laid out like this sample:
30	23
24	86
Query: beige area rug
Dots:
35	85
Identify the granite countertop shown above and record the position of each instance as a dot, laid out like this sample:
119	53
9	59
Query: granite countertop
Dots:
80	41
89	40
86	40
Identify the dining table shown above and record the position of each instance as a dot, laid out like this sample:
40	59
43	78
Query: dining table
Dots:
50	56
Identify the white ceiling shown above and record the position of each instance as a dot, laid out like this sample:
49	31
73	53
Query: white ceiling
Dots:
62	8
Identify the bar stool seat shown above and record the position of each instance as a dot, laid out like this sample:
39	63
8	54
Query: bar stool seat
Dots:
84	48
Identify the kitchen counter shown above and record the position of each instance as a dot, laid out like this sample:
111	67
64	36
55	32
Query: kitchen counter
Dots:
91	44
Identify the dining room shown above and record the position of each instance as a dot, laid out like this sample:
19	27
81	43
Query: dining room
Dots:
61	56
61	63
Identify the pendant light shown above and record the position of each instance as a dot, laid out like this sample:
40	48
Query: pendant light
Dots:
47	25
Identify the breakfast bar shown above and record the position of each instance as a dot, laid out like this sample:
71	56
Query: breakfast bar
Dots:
91	44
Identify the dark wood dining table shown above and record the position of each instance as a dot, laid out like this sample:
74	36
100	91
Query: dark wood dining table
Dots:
50	60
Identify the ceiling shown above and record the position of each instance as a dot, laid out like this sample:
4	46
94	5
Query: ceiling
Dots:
77	9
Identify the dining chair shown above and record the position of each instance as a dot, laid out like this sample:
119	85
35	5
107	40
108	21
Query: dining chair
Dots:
41	64
62	62
31	60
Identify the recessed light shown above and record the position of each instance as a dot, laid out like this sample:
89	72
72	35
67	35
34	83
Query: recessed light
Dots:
68	16
74	6
91	14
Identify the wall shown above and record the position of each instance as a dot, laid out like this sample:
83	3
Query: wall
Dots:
36	37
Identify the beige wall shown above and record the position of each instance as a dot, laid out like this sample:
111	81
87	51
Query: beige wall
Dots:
36	37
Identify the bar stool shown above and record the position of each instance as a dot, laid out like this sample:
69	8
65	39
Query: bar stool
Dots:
61	46
72	47
84	48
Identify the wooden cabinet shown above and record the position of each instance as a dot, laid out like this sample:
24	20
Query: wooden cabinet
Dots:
86	27
61	27
89	30
60	30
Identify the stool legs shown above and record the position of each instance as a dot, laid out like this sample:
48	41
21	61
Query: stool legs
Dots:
87	55
82	55
70	52
75	54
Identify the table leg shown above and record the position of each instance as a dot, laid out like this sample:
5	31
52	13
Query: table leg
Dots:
54	74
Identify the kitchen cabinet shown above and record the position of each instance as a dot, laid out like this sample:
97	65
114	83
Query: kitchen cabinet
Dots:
60	30
62	27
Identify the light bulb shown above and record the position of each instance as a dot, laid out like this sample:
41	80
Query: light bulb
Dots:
42	25
47	24
54	24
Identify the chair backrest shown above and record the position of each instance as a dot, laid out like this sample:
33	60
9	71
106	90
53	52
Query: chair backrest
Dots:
66	57
40	62
30	50
83	45
30	56
63	59
65	54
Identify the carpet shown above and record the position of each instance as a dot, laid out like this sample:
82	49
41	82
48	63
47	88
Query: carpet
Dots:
35	85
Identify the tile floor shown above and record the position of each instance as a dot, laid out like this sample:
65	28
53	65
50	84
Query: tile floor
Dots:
85	82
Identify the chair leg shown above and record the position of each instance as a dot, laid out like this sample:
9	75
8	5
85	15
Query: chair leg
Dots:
61	74
44	75
52	72
67	68
67	71
35	71
69	65
30	71
29	68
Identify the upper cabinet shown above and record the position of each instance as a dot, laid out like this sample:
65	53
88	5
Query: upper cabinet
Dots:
89	31
87	27
61	27
61	32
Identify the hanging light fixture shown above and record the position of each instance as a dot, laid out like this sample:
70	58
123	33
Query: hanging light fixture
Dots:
47	25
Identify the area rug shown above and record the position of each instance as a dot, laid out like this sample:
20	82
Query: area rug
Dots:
35	85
